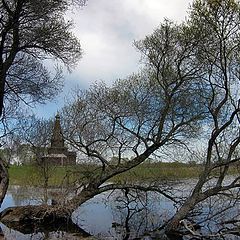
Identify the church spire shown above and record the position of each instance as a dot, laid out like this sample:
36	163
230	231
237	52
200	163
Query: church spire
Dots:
57	137
57	153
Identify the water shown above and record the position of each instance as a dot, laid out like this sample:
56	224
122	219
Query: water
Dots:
115	217
120	216
106	216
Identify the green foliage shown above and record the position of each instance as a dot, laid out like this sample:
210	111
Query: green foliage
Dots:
32	31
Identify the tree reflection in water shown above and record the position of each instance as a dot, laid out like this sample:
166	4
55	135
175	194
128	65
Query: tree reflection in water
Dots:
123	214
127	214
132	213
119	215
136	214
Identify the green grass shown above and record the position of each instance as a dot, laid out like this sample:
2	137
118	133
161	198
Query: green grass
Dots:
32	175
158	172
146	172
19	175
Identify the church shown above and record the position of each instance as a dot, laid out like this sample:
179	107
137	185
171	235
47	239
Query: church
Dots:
57	153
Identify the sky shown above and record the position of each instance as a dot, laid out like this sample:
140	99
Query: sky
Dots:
107	30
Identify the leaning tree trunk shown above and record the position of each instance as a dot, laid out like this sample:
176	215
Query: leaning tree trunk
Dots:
4	180
173	225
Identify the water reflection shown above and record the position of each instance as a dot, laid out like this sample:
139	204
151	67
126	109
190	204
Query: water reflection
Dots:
117	215
10	234
122	214
126	215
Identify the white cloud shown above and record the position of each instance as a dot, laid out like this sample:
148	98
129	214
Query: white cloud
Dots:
107	29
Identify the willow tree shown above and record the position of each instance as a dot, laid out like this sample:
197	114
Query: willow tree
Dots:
141	115
135	117
217	29
31	32
188	87
190	82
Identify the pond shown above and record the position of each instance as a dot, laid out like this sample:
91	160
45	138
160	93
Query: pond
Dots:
112	215
117	215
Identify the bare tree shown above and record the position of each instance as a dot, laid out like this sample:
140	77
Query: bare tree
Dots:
189	86
191	77
138	116
31	32
218	53
36	133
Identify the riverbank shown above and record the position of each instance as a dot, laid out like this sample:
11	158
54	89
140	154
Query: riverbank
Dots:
56	175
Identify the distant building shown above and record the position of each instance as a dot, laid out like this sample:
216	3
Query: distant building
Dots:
58	154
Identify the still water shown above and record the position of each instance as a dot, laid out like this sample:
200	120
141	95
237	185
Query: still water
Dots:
122	215
112	215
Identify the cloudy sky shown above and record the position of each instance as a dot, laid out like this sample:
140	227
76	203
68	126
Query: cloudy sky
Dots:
107	29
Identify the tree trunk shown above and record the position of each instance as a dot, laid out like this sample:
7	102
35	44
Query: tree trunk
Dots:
2	84
4	180
172	227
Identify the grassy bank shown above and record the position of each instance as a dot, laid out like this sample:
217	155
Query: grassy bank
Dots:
146	172
159	171
34	176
